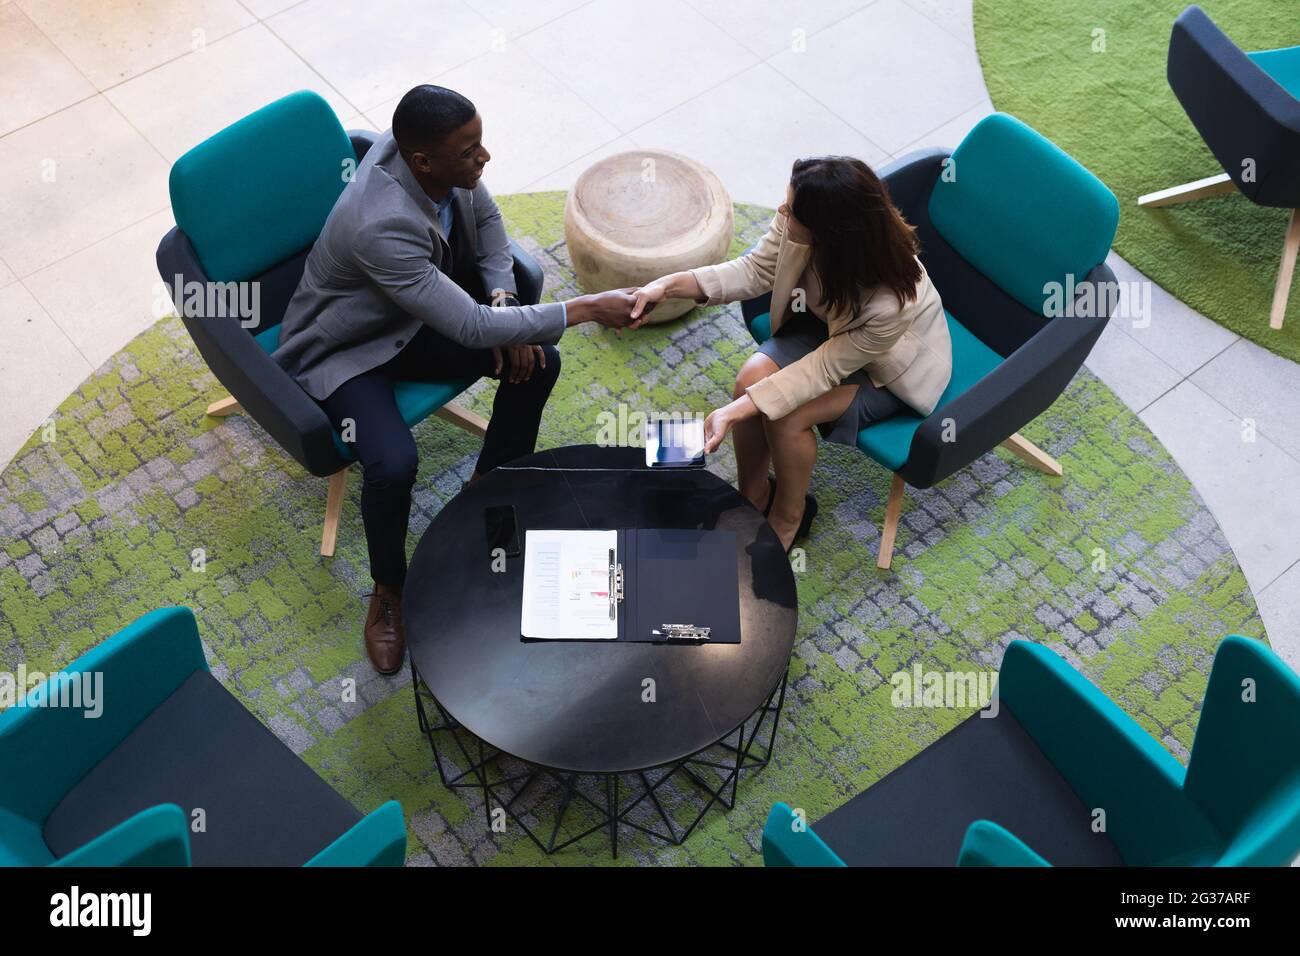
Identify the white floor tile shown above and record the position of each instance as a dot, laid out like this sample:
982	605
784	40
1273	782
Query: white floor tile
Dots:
268	8
564	177
635	59
950	134
1279	606
1175	332
1249	486
1257	384
106	295
39	368
516	17
111	42
374	52
532	123
955	16
733	130
35	78
890	72
71	179
769	26
183	102
1134	374
6	275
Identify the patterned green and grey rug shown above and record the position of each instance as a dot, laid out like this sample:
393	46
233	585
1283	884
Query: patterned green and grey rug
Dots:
1118	565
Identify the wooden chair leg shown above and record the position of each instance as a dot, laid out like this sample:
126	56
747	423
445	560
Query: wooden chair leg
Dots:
333	508
1283	289
463	418
224	407
1188	192
1031	454
893	509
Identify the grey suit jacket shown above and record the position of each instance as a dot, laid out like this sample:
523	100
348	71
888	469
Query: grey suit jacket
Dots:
375	276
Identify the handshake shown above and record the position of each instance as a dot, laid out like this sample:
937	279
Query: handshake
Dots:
620	308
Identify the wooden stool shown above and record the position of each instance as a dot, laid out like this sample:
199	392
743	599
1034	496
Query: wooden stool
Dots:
633	217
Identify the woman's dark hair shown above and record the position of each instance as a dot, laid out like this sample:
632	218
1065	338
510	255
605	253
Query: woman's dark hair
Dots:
860	240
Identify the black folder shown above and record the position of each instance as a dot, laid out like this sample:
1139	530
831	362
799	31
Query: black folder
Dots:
674	576
678	576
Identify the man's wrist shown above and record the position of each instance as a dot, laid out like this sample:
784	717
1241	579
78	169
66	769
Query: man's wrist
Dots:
576	311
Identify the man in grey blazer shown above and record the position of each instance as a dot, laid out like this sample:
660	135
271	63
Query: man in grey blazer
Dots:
412	278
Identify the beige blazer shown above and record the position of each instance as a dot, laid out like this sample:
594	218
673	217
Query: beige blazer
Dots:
906	350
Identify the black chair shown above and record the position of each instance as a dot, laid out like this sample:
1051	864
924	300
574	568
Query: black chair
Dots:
249	203
1246	106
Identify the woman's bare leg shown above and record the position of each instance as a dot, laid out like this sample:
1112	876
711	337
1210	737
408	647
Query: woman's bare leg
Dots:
794	452
752	454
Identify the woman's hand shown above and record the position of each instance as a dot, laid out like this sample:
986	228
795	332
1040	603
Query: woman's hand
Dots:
716	427
679	285
647	297
720	421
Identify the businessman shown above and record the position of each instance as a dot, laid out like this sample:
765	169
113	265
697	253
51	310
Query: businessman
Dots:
412	278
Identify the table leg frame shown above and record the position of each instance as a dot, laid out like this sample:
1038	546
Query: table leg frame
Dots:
713	777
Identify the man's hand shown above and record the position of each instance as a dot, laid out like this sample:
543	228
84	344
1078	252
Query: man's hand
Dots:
611	309
524	359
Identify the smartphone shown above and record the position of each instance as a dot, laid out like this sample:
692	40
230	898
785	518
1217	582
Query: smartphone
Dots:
502	530
674	443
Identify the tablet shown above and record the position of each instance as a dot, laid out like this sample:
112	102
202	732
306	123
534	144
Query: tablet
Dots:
674	443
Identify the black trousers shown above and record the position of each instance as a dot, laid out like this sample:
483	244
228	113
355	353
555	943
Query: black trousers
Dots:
386	449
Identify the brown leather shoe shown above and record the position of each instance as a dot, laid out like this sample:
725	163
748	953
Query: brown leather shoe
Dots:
385	635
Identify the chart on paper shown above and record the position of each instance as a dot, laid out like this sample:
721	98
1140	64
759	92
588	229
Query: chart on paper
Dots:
567	585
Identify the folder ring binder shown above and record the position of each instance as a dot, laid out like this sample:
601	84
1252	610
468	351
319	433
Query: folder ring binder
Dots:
615	585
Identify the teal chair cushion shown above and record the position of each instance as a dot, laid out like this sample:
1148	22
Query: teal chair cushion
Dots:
1282	65
1022	211
1244	772
788	841
415	400
260	190
889	442
987	844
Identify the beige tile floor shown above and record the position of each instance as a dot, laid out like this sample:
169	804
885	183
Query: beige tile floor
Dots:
97	99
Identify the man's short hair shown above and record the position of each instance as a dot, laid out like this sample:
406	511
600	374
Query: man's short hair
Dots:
427	114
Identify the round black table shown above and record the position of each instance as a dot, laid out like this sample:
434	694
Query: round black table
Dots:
544	727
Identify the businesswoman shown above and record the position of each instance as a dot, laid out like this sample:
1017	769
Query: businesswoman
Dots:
858	332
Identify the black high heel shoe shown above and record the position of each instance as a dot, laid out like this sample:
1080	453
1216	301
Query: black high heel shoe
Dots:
805	523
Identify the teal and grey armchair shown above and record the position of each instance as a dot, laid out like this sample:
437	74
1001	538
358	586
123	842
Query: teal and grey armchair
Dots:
1014	234
135	755
249	202
1062	775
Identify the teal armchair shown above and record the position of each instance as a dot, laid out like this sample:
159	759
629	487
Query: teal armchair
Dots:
1014	234
249	203
135	755
1062	775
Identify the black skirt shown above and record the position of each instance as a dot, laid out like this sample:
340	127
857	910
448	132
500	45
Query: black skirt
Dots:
805	333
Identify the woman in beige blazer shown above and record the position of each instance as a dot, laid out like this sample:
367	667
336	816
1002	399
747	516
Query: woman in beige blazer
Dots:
858	332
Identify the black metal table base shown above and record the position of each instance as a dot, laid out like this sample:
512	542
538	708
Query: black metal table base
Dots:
665	802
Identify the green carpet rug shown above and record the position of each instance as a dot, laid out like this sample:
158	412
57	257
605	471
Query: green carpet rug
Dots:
1118	565
1114	112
